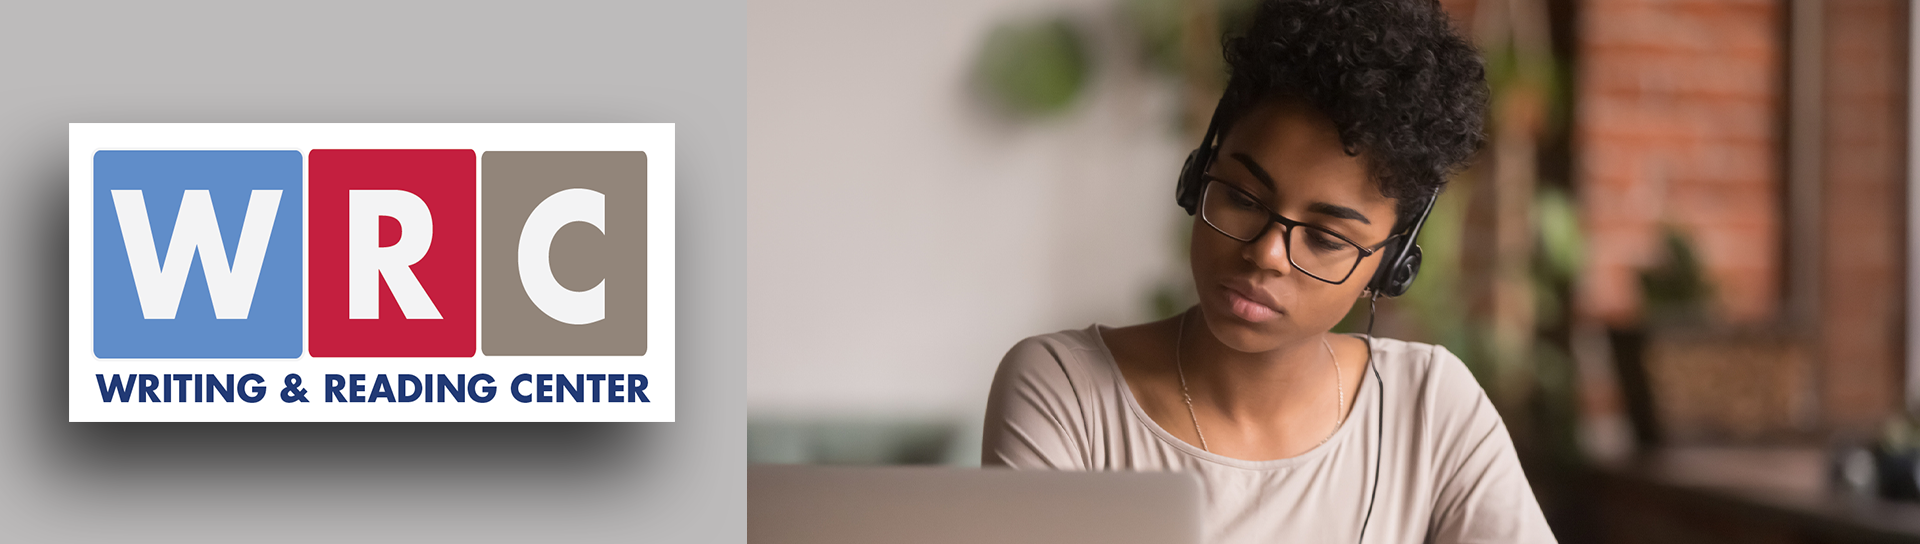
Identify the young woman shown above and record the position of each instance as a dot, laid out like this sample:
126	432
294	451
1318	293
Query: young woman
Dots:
1340	123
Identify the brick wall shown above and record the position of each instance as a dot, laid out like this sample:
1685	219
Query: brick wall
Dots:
1680	116
1677	121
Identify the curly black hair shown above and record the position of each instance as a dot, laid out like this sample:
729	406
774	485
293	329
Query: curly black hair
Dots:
1405	90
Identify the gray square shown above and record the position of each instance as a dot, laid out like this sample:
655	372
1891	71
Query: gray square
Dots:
581	256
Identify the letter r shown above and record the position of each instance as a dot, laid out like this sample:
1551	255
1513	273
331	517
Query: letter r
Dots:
367	262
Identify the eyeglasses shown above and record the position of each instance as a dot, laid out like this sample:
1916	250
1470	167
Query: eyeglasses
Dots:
1322	254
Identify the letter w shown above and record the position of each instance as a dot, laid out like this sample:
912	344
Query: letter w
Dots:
196	231
124	390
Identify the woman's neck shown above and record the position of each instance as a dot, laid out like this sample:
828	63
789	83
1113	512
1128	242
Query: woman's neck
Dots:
1286	383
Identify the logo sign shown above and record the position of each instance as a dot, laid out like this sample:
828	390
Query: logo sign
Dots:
370	272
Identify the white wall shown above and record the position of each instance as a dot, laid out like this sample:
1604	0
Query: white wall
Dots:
902	235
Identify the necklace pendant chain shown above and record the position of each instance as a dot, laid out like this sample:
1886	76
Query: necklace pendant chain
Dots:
1339	387
1183	382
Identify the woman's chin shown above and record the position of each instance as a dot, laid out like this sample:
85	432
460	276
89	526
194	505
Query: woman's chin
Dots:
1243	335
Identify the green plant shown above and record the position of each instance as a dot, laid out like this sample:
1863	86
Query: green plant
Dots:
1675	290
1034	68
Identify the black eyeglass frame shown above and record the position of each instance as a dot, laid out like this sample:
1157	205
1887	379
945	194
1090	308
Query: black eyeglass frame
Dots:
1289	224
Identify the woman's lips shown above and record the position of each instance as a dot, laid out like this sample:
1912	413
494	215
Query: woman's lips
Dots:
1247	309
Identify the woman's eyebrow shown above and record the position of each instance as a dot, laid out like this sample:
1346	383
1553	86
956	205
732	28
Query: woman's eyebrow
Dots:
1332	210
1258	172
1338	211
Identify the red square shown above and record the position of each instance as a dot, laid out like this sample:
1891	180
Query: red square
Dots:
350	276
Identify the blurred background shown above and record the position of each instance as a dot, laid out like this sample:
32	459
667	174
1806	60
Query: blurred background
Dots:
1688	291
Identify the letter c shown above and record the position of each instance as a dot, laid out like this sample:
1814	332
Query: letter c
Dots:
536	269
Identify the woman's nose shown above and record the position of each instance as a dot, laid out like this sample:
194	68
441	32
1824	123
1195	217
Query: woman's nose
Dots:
1269	251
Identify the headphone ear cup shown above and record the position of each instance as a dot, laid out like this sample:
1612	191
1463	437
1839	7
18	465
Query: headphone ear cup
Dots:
1187	191
1389	255
1400	278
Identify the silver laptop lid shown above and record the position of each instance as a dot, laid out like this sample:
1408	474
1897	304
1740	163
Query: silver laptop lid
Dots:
792	504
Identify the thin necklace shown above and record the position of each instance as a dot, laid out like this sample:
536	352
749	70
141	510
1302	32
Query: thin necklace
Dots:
1339	389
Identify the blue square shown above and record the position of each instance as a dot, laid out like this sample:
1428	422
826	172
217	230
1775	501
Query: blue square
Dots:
175	320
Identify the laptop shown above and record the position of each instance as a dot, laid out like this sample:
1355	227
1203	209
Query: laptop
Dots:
797	504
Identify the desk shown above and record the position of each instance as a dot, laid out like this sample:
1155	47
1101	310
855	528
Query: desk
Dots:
1748	495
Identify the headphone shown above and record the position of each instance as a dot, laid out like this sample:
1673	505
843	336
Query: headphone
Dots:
1400	260
1399	265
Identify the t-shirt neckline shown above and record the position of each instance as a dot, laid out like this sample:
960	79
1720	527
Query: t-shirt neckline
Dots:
1364	405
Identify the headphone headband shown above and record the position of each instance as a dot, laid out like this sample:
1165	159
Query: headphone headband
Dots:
1186	192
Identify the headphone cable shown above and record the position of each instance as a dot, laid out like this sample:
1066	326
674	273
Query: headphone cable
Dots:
1379	425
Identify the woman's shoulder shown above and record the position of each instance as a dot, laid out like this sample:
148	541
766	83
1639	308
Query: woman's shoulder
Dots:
1409	356
1431	374
1043	406
1097	353
1041	398
1073	339
1065	354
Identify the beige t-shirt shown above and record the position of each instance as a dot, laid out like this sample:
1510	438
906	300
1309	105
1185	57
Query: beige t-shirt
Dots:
1448	472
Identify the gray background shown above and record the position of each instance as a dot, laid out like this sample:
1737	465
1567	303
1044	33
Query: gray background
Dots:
683	63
